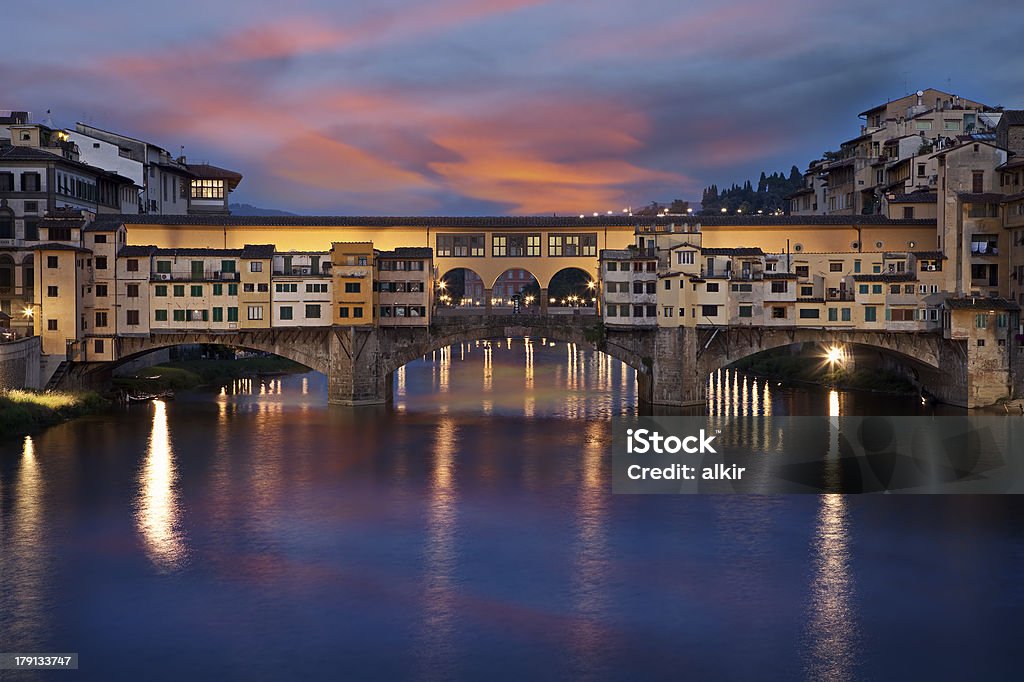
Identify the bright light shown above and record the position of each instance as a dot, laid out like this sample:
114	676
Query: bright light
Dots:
581	215
609	212
834	355
591	284
689	210
725	210
553	301
28	311
442	285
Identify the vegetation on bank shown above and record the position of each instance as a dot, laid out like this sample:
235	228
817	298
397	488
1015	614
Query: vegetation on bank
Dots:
23	412
810	369
185	374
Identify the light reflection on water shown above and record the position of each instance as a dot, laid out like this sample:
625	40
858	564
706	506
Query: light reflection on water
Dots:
433	541
158	512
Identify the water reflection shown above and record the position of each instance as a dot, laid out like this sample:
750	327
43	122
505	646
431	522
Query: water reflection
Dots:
158	512
437	629
23	560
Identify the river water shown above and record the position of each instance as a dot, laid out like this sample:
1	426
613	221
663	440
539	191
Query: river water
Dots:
255	533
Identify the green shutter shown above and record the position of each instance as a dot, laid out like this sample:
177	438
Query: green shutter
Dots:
160	315
218	314
232	290
218	289
232	314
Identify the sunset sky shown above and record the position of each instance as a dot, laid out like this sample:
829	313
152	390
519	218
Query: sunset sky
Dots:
497	106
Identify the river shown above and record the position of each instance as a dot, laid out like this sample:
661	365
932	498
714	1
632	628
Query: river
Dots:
469	530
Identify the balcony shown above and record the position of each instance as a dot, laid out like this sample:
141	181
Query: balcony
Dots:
301	272
208	275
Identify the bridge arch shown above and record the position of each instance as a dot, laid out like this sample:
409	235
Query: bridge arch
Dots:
461	284
479	328
569	282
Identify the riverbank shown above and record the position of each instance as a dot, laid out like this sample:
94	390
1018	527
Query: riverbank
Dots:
25	412
187	374
812	370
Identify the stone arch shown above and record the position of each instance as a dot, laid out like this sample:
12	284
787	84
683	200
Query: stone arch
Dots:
472	288
413	346
569	281
519	280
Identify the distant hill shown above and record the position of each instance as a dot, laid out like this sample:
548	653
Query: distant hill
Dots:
249	209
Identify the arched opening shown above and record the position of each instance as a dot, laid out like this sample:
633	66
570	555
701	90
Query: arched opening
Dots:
28	276
6	223
516	288
6	276
460	288
811	377
572	289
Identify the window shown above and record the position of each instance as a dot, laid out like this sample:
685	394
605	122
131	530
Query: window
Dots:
315	288
611	266
218	314
160	290
684	257
286	312
802	270
515	245
876	288
232	314
610	311
863	289
870	313
920	170
132	318
743	288
101	319
51	262
163	266
923	125
712	287
459	245
667	311
30	182
978	181
357	312
97	346
847	314
255	312
227	266
1001	319
981	342
6	182
908	212
256	266
51	292
807	292
248	287
981	321
709	310
196	290
101	291
31	229
809	313
908	289
132	291
312	311
179	290
218	289
132	265
51	325
343	311
572	244
100	239
668	285
835	267
856	266
179	315
778	313
652	288
901	314
232	290
205	189
894	289
833	314
264	288
746	311
352	287
780	287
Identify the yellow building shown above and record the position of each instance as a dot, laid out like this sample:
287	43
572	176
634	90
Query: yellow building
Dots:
254	294
352	264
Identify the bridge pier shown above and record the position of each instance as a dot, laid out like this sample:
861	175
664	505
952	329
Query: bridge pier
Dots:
674	375
487	301
544	301
355	375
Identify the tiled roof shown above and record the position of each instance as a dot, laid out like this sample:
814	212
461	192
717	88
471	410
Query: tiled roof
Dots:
738	251
408	252
915	198
137	250
1013	117
780	275
981	197
1013	162
929	255
1013	197
237	253
800	192
258	251
442	222
211	172
981	303
886	277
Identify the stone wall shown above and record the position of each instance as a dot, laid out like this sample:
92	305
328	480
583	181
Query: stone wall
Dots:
20	363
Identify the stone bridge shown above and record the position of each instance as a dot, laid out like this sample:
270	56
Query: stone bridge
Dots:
672	363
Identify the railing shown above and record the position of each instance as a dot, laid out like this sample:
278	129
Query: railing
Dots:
301	272
208	275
